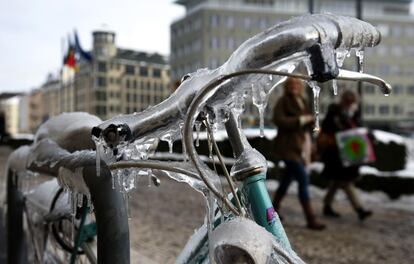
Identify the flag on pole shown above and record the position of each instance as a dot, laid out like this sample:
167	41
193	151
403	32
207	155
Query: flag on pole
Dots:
78	49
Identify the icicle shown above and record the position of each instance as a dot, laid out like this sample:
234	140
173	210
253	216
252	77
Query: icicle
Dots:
167	137
69	193
184	150
126	201
135	176
270	77
315	90
210	146
149	178
119	179
260	101
335	86
238	108
360	55
128	180
114	175
89	203
80	200
210	222
98	147
341	54
73	204
198	128
221	116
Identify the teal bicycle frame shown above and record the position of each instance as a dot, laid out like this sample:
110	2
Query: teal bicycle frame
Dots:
264	214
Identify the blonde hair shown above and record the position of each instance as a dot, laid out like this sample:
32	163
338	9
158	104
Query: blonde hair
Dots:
288	83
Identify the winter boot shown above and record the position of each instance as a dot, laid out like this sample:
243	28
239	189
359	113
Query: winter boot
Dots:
363	214
330	212
312	222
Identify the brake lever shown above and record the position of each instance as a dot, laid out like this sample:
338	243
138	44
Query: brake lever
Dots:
364	77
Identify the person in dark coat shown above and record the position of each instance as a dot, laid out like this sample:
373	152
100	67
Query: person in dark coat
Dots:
339	117
294	121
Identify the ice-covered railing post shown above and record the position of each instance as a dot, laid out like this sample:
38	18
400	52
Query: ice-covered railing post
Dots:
63	149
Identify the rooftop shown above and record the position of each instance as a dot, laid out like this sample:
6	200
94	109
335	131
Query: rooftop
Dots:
195	2
128	54
7	95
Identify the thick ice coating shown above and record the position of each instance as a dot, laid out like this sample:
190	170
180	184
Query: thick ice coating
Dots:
71	131
261	51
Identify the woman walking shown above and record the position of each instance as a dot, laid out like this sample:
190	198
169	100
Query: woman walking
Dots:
339	117
294	122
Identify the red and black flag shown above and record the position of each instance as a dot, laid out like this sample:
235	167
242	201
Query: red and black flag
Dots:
70	60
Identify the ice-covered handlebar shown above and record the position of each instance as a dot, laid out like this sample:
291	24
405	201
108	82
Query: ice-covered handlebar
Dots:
319	35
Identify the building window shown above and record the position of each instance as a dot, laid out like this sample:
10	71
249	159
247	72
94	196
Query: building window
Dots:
214	20
384	69
196	24
230	22
369	89
384	109
129	69
100	110
100	95
411	89
135	84
101	81
397	89
231	44
214	43
263	23
398	109
127	84
101	67
369	109
397	31
247	22
156	73
143	71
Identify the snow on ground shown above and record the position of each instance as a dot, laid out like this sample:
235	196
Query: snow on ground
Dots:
408	172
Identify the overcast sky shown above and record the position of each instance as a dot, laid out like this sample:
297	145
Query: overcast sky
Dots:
31	32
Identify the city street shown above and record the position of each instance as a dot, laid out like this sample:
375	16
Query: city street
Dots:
164	217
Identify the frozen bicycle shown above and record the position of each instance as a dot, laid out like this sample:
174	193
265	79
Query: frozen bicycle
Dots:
241	225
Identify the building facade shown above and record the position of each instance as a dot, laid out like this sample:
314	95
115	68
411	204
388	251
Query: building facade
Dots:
116	81
9	107
212	29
